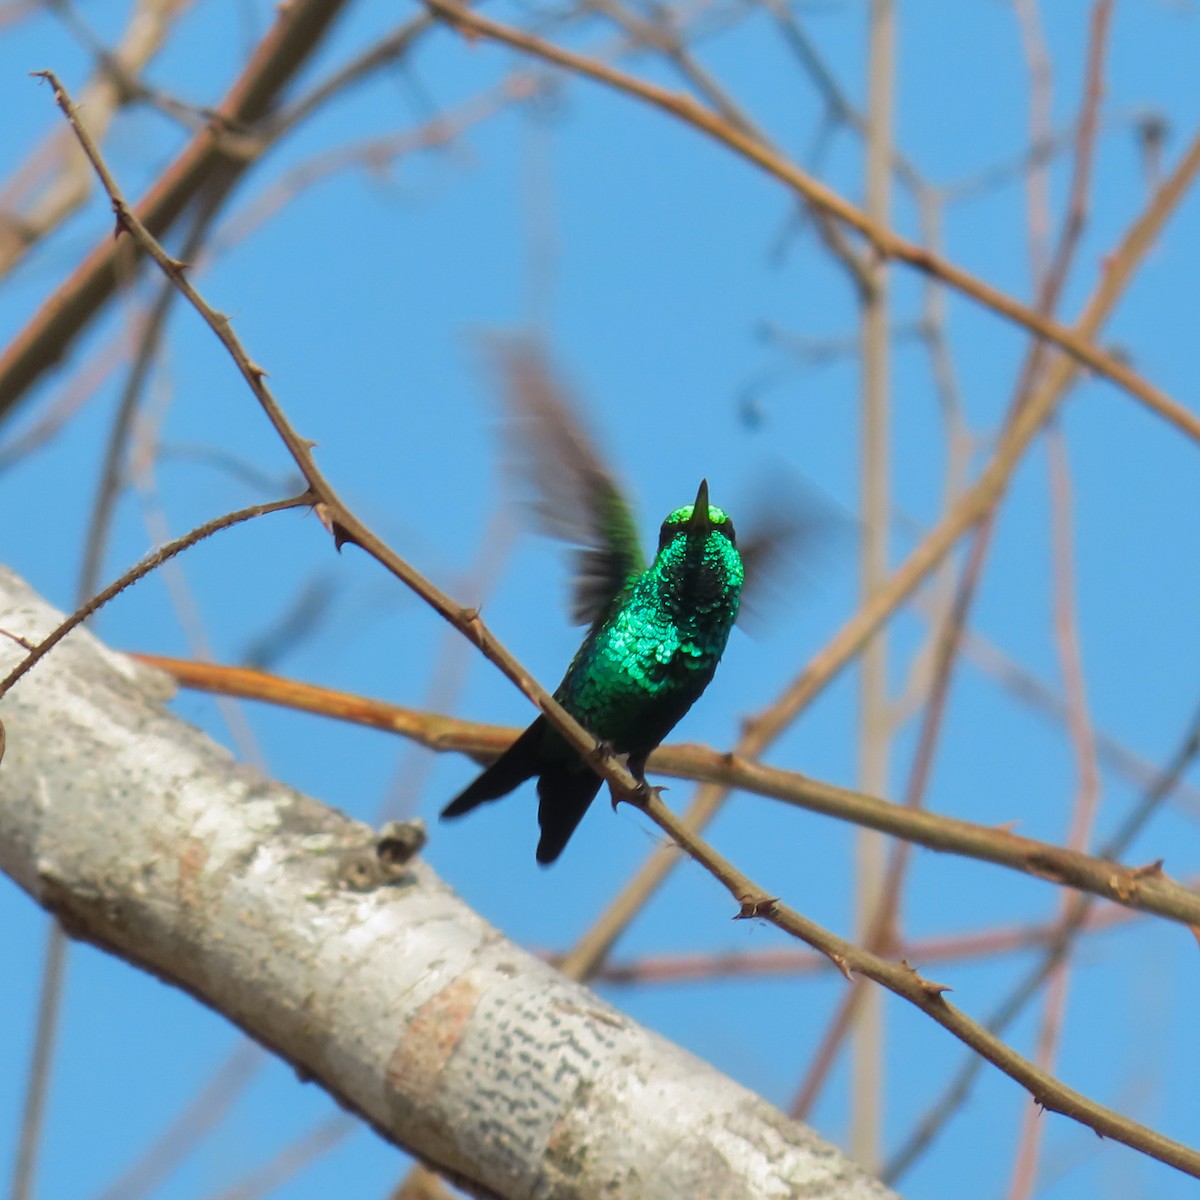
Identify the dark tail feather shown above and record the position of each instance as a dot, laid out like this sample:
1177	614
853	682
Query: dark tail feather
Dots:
564	793
518	763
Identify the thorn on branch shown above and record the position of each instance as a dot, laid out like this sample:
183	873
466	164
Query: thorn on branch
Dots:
341	535
758	906
929	989
1122	888
841	964
1152	870
468	620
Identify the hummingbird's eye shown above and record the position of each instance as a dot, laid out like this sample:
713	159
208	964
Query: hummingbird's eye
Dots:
726	528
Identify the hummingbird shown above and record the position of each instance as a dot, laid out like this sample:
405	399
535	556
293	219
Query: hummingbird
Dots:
655	632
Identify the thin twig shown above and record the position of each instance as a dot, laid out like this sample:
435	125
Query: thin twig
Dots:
33	1110
874	738
207	1108
148	564
951	1099
791	962
213	153
1050	279
883	240
112	471
904	981
1087	792
149	23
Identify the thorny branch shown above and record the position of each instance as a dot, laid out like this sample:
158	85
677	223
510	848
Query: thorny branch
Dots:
752	900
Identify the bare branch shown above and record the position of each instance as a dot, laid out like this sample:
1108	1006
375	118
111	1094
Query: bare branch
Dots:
885	241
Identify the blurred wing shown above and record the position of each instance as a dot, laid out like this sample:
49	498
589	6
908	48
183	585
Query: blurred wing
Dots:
786	531
574	495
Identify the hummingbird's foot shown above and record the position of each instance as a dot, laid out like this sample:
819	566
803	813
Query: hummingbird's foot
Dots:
640	796
637	768
604	749
644	792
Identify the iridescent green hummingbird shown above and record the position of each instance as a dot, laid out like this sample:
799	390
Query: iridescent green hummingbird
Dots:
656	633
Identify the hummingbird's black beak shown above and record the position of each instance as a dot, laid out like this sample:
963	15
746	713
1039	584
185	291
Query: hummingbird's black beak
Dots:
700	522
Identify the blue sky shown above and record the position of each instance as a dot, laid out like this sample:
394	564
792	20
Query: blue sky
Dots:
645	253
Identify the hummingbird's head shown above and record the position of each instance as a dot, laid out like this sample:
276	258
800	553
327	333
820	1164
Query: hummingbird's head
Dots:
696	521
698	571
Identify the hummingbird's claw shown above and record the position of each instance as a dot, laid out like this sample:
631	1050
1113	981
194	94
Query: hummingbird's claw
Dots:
641	795
604	749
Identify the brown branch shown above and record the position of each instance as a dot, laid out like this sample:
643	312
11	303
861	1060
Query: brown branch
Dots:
148	564
902	980
1051	282
936	1116
705	966
1087	794
867	1053
210	157
948	637
104	93
883	240
112	470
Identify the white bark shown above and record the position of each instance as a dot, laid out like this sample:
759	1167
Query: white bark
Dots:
147	839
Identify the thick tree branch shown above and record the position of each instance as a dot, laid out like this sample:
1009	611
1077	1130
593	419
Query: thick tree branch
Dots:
370	977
